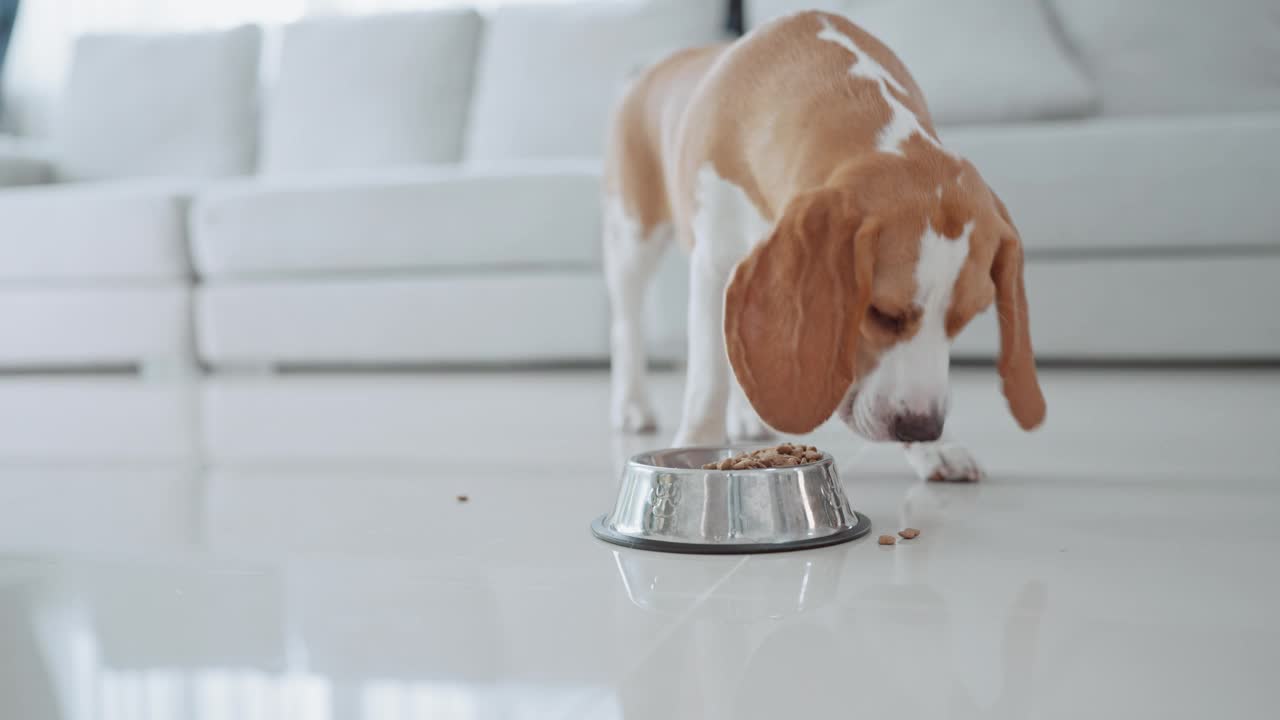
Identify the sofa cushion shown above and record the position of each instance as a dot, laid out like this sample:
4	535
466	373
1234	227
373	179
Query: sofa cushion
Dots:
1124	185
401	221
120	230
181	104
549	73
1159	56
534	316
982	61
371	91
96	326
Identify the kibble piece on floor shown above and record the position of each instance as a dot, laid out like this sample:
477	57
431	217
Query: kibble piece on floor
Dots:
463	498
887	540
909	533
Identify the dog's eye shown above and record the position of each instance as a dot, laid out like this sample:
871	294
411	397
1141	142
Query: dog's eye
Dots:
889	322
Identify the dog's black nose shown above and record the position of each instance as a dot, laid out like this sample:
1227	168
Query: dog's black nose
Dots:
917	428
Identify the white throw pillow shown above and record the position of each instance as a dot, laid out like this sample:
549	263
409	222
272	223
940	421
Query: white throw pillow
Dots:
180	104
549	74
371	92
1157	56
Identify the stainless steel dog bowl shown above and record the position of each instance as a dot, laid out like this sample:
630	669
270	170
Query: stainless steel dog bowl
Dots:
667	502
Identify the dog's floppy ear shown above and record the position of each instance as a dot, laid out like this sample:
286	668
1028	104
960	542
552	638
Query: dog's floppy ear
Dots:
794	309
1017	362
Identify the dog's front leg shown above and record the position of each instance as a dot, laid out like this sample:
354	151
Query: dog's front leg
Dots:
706	386
943	461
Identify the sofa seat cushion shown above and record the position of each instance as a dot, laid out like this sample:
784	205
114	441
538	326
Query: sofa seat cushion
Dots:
446	218
1126	185
396	94
538	316
103	231
96	326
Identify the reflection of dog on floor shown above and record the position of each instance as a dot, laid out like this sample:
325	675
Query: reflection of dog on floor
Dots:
836	247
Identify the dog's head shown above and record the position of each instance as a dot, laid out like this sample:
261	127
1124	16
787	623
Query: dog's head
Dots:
853	302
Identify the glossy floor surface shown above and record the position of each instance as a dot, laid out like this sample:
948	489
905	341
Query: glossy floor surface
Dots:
295	548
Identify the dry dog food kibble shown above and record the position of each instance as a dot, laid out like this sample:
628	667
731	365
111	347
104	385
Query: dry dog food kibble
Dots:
909	533
887	540
784	455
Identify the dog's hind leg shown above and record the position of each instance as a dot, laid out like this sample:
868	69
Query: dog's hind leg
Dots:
631	256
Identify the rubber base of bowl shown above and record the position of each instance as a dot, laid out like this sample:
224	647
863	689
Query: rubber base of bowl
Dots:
600	530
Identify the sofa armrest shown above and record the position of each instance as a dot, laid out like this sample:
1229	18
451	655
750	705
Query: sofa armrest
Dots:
23	162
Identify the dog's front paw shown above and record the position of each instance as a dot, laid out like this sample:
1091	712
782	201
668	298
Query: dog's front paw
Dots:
943	462
634	417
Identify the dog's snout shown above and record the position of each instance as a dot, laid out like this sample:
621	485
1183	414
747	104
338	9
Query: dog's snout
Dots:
912	427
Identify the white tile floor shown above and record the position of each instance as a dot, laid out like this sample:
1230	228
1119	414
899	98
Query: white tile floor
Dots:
292	548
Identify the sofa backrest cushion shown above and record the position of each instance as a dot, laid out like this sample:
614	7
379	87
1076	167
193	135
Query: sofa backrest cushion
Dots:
977	61
1169	56
549	74
177	104
371	92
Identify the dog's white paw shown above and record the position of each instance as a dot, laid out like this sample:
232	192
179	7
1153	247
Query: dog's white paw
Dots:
634	417
943	462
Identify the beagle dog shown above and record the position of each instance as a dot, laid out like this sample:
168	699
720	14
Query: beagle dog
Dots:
836	247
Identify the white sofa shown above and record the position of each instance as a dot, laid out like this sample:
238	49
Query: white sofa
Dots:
427	196
430	195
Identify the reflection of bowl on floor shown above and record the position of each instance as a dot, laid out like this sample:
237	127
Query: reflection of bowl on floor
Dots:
668	502
731	589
